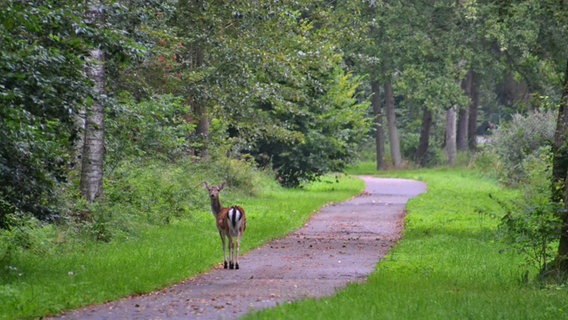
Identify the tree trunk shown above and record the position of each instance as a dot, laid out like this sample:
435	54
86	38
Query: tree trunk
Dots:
379	133
202	130
473	107
462	137
422	151
451	147
91	181
560	175
79	121
391	125
199	109
462	133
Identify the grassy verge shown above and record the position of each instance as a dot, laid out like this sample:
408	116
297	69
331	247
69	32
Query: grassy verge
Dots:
152	256
449	264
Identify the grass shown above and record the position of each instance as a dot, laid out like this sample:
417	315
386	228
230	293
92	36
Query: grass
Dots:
152	256
449	264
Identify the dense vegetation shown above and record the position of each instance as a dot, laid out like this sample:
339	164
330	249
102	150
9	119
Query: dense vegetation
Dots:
113	112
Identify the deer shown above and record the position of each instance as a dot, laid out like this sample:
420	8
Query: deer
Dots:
231	223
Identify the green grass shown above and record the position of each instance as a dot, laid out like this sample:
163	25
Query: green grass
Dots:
151	257
449	264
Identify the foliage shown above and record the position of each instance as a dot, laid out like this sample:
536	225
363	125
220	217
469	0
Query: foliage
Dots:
153	129
533	230
25	233
532	36
41	85
525	137
270	97
530	225
524	159
409	145
329	130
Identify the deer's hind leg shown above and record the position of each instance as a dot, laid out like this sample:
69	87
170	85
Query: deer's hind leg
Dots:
223	241
238	244
231	253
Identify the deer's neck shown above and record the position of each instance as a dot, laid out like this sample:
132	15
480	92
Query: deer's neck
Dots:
215	206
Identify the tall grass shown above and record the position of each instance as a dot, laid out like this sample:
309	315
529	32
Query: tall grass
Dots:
153	255
450	264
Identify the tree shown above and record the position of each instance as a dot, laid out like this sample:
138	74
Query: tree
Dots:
91	184
118	35
394	141
425	128
198	24
378	54
379	128
473	111
269	69
560	175
462	133
542	49
451	130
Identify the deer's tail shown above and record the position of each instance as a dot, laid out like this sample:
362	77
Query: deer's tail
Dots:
237	220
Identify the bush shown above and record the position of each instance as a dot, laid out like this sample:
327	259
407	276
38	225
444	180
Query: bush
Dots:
532	226
520	139
26	233
158	192
136	195
520	154
533	229
487	161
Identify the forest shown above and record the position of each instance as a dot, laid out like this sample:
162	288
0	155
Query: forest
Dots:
114	112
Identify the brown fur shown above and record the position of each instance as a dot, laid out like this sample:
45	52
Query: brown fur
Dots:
223	225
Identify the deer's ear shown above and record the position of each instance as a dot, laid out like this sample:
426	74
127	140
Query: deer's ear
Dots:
206	185
221	186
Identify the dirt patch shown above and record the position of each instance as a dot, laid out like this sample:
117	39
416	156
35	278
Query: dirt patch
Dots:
340	244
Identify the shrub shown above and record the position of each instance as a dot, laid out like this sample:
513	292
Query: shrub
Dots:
520	154
532	226
532	229
26	233
487	161
521	138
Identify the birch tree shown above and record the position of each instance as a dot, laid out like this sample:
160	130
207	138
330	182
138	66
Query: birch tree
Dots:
91	182
394	141
451	142
379	128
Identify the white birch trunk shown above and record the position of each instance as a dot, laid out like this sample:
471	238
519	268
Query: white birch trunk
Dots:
379	134
394	140
91	184
451	146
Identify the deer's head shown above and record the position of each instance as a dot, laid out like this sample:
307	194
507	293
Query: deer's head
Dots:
214	190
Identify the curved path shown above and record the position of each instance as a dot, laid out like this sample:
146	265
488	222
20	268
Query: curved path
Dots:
340	244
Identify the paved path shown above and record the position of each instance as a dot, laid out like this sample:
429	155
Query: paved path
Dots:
341	243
